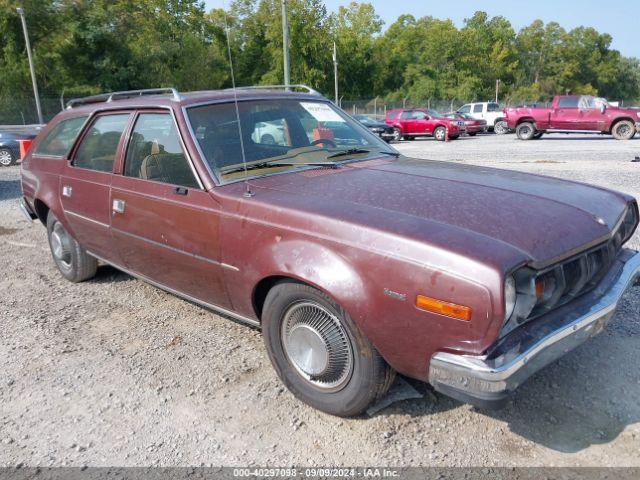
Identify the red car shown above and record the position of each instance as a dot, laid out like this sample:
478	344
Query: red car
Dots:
472	125
417	122
574	114
354	261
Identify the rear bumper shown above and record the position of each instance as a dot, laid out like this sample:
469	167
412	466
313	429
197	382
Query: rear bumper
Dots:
29	215
488	380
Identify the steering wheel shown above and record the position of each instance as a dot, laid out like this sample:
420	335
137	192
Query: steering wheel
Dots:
327	141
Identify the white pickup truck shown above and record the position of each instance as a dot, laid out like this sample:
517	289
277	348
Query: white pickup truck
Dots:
488	111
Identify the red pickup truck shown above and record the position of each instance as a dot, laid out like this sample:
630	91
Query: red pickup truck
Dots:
574	113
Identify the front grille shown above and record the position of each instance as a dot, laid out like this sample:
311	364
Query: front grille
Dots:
577	275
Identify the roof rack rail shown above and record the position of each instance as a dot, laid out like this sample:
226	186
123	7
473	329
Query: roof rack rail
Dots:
110	97
279	87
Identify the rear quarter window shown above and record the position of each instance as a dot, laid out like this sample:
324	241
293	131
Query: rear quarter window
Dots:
568	102
60	139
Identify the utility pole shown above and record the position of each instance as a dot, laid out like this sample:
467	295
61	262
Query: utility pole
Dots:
20	11
335	71
497	89
285	44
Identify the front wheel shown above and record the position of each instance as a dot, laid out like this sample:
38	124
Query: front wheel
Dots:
319	353
440	134
623	130
75	264
526	131
7	158
397	135
501	127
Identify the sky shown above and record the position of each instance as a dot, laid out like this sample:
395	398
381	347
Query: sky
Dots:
619	19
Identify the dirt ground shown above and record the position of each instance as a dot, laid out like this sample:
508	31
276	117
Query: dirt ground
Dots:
114	372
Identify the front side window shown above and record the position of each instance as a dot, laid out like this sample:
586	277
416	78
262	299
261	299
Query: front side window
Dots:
154	152
59	140
465	109
278	135
477	108
98	147
568	102
419	115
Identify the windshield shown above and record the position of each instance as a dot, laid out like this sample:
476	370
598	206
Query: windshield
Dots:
300	132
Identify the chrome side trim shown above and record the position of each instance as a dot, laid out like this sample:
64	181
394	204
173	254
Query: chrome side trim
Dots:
169	247
236	316
479	377
86	219
230	267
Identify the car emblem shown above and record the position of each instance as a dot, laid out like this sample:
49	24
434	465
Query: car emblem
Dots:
396	295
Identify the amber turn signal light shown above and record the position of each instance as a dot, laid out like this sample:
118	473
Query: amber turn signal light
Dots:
443	308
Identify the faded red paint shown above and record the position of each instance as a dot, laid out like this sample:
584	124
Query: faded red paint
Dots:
450	232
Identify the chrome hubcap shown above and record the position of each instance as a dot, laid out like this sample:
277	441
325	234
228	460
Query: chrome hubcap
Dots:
440	134
317	345
623	130
61	245
5	157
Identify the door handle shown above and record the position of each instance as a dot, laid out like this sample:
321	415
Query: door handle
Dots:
118	206
66	191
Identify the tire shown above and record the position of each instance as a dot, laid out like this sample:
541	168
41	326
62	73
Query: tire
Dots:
267	139
7	158
355	375
526	131
623	130
538	135
501	127
440	134
74	263
397	135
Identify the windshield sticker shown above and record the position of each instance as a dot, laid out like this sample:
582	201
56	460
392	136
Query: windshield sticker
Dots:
322	112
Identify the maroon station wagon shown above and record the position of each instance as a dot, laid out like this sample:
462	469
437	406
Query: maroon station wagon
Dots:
355	262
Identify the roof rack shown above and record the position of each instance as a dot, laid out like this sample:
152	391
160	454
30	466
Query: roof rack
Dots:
110	97
279	87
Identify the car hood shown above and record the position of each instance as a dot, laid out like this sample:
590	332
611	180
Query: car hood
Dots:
542	218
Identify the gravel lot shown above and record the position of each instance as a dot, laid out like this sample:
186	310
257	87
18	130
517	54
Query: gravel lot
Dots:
115	372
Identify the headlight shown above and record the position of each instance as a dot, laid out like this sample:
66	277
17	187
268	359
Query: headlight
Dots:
629	223
638	114
509	297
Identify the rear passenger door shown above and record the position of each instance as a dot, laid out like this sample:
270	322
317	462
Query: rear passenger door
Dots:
166	226
86	180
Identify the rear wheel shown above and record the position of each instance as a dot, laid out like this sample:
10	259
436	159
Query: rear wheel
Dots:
623	130
440	134
7	158
501	127
319	353
75	264
525	131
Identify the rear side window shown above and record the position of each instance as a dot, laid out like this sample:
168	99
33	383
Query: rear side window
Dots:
406	115
155	153
477	108
59	140
465	109
97	150
568	102
493	107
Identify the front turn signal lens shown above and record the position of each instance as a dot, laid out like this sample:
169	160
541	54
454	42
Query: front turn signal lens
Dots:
447	309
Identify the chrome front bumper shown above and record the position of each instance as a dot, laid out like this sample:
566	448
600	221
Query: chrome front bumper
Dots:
488	380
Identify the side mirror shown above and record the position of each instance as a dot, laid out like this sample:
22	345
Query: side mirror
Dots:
603	108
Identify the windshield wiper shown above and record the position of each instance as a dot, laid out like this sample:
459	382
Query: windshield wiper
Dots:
393	154
350	151
261	165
